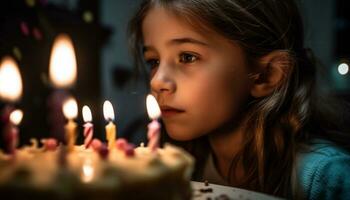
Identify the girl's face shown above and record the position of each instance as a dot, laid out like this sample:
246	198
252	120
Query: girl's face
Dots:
199	79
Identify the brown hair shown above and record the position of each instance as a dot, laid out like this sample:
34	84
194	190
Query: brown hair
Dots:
277	124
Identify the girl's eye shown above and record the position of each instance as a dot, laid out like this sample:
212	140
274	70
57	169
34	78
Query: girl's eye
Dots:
152	63
188	58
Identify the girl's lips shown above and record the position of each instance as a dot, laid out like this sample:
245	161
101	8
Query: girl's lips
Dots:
168	111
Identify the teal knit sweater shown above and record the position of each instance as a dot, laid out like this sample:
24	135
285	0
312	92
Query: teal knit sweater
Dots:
322	172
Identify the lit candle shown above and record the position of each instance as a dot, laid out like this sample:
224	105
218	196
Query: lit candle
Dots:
154	112
10	91
63	75
88	126
10	80
70	111
108	113
63	65
11	133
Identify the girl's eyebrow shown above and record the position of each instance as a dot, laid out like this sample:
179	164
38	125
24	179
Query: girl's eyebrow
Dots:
148	48
177	41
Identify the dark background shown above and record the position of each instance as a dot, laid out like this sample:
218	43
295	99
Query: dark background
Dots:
97	29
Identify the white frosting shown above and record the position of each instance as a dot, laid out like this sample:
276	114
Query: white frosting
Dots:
41	168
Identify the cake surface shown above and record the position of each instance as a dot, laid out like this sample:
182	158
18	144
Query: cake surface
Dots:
37	173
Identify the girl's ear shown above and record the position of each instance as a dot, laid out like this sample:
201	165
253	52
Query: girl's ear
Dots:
273	70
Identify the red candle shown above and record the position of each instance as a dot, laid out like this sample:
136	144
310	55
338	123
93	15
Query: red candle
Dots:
11	138
12	131
10	91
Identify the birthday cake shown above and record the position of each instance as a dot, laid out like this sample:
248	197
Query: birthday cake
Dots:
119	173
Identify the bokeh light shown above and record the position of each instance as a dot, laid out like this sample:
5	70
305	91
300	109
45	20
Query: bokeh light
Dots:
343	68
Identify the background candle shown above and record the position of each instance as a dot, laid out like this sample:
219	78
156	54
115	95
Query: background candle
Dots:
70	111
63	65
154	112
12	131
111	133
88	126
10	91
10	80
63	75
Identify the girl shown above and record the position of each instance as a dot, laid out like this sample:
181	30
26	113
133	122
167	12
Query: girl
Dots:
236	85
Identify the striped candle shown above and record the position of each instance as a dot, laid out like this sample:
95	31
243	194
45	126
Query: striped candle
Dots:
154	113
153	135
88	126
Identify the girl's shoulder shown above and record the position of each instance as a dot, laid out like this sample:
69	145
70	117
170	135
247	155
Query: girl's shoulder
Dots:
323	170
321	149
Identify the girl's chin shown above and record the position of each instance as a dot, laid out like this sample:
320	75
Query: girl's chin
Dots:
179	137
182	135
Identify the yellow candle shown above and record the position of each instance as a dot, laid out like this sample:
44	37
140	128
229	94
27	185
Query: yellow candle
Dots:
71	134
70	111
111	134
111	130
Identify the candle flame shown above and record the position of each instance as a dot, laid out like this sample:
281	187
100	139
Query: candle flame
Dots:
16	116
63	66
108	111
70	108
87	114
153	109
87	172
10	80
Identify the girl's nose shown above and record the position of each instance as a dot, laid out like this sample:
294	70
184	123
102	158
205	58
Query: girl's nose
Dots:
163	81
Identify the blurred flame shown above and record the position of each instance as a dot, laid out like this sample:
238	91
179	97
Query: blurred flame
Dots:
87	172
16	117
63	65
108	111
10	80
87	114
153	109
70	108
